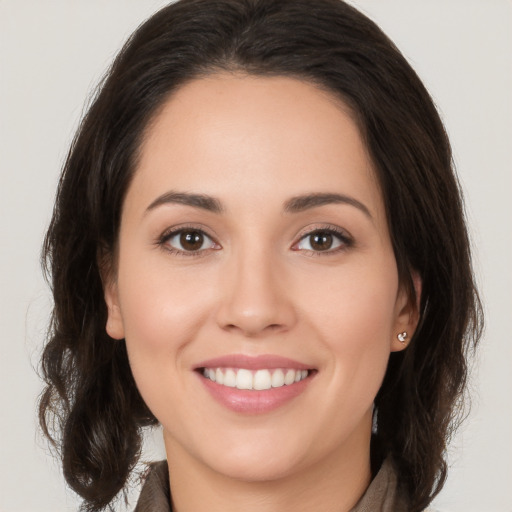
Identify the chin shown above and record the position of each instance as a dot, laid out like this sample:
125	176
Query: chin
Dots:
256	467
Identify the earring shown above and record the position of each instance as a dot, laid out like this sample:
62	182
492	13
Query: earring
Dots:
402	336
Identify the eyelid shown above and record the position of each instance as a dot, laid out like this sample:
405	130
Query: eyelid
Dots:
170	233
341	234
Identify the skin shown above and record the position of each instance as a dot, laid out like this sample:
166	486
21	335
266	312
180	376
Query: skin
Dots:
258	288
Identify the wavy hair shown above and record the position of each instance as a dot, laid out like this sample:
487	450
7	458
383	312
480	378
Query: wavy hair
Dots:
91	408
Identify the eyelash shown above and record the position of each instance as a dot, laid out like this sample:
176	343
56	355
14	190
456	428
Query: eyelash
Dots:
163	241
346	241
342	236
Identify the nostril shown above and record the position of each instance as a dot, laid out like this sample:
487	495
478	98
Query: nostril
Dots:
254	330
254	314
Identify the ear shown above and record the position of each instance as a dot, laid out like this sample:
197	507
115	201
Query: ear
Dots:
115	325
407	314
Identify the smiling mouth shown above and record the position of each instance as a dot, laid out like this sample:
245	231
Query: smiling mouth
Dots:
257	380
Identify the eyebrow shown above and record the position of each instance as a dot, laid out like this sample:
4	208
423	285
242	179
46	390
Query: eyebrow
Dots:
305	202
196	200
294	205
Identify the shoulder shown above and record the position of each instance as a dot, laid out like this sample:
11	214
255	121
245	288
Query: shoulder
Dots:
155	494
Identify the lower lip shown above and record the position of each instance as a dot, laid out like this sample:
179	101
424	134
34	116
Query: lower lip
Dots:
254	401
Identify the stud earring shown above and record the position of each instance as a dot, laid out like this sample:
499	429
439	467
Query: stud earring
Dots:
402	336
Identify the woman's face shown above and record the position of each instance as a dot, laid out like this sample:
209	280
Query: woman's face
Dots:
256	285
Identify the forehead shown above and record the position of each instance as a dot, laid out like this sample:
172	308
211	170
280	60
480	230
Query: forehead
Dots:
264	137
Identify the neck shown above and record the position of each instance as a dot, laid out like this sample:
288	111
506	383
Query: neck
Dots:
333	484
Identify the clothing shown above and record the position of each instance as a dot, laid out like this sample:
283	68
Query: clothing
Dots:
381	495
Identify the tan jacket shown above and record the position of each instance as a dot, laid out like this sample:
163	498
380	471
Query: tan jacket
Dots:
381	495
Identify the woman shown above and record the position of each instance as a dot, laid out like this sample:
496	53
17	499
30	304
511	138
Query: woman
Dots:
258	242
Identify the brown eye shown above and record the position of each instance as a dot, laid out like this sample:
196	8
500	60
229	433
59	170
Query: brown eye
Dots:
323	240
189	240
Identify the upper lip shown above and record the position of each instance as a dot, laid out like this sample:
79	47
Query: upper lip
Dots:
264	361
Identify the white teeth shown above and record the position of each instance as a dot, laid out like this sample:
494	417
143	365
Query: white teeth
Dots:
242	378
289	378
262	380
278	379
230	378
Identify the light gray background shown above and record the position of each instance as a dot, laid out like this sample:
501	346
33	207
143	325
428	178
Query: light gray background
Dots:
51	55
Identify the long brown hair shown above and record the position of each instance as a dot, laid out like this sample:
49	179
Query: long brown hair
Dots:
91	407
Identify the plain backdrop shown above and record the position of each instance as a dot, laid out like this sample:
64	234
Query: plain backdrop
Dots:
53	52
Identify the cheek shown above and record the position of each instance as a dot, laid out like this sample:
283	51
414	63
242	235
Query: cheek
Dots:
354	316
160	304
353	302
162	313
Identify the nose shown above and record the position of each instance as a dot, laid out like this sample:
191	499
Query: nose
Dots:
255	297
